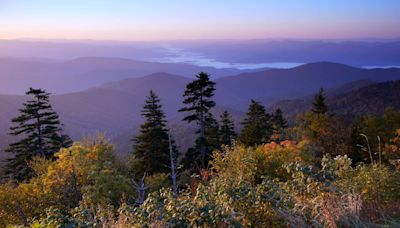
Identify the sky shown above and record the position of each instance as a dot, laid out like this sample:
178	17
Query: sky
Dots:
149	20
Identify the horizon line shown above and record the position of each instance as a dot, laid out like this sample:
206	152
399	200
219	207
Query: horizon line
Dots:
363	39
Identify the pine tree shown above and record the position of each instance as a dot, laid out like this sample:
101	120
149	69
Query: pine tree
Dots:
151	146
40	131
257	127
319	105
227	130
198	96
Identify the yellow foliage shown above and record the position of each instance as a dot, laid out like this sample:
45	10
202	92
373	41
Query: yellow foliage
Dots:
250	164
86	167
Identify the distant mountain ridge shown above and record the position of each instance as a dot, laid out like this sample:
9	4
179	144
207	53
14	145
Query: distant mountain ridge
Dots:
366	100
86	72
274	85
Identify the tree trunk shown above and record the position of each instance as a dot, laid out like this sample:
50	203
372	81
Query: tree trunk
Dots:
173	174
202	133
39	131
141	189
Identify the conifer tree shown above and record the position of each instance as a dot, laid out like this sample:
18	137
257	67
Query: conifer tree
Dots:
319	105
279	123
198	96
151	146
257	128
212	134
40	133
227	130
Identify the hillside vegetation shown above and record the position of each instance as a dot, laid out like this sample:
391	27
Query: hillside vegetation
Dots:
366	100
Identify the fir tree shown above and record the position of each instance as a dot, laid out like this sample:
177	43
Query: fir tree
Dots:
319	105
257	127
151	146
227	130
198	96
40	133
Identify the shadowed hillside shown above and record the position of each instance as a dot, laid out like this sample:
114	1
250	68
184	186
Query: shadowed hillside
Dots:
369	100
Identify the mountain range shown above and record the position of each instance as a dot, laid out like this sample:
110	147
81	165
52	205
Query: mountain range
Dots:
361	53
114	107
86	72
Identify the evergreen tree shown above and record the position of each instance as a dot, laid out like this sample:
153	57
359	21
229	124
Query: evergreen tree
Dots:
212	134
257	128
198	96
40	133
356	153
279	123
227	130
212	139
151	146
319	105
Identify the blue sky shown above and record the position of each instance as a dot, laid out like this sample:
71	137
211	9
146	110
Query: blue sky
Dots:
199	19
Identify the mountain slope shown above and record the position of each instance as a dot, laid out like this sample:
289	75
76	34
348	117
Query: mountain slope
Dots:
368	100
276	84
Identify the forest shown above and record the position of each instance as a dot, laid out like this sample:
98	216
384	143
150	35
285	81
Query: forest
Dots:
320	170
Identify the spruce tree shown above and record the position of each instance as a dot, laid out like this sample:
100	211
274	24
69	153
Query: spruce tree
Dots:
319	105
257	128
197	97
40	133
151	146
227	129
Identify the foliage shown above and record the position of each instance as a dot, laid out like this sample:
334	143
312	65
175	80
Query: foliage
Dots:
381	134
251	164
257	127
279	124
327	134
227	129
197	97
151	146
85	173
319	105
312	177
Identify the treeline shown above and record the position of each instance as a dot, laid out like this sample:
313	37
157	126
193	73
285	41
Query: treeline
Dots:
269	174
41	133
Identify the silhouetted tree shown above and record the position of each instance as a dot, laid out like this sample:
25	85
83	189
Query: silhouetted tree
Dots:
212	134
212	141
227	129
40	133
257	128
279	123
198	96
319	105
151	146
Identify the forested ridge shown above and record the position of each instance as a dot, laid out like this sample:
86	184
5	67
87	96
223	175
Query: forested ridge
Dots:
370	99
324	169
